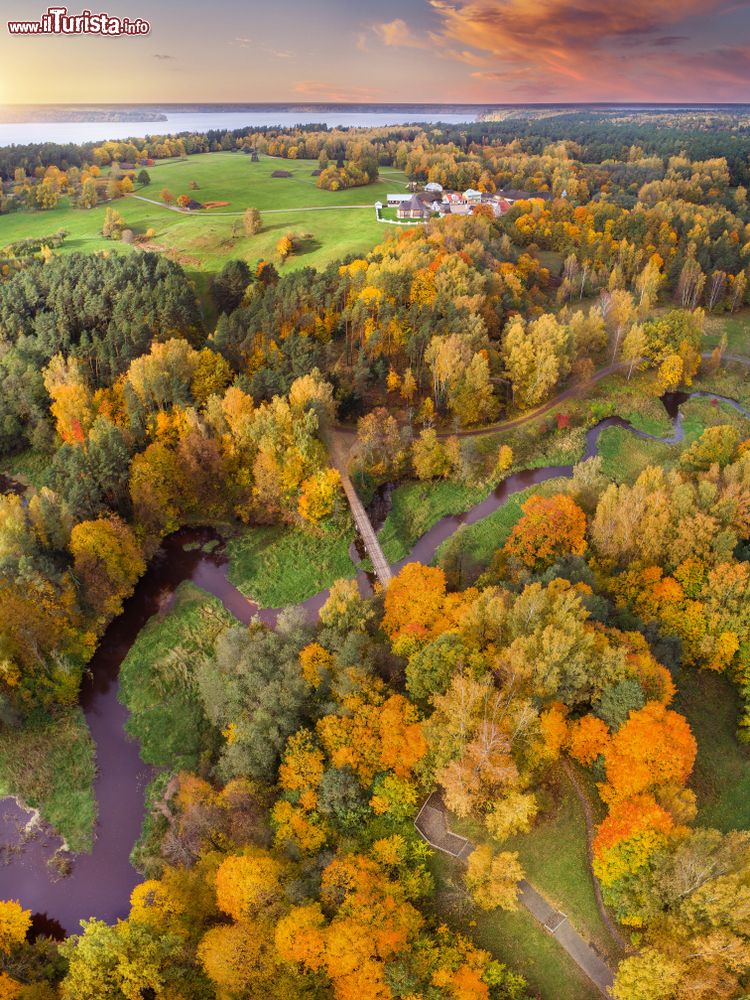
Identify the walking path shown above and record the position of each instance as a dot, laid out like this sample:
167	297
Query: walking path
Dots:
208	214
339	460
432	825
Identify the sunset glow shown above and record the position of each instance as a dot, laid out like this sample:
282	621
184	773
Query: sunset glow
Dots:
500	51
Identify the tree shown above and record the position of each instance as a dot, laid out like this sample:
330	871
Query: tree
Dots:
429	456
379	450
588	738
344	609
252	221
319	496
128	960
634	347
166	196
144	178
512	814
229	285
183	200
14	925
285	247
492	879
654	747
471	398
550	527
88	198
113	224
247	885
107	560
649	975
237	957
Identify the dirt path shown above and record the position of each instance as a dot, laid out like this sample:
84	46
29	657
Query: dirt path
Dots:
203	214
432	824
506	425
588	816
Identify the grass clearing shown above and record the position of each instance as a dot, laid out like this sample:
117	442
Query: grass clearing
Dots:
50	765
555	859
417	506
156	680
624	456
278	566
721	777
736	328
514	938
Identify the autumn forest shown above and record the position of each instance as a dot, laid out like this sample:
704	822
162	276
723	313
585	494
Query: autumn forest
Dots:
348	779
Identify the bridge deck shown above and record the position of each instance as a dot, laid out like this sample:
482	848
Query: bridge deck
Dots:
362	521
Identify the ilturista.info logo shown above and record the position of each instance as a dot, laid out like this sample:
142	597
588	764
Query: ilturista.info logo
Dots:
57	21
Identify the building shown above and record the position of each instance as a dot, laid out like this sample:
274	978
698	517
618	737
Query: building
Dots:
434	187
394	200
414	208
471	196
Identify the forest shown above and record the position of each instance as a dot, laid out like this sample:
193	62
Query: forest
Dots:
568	382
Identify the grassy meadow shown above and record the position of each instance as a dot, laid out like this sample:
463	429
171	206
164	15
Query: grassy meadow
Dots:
157	684
278	566
203	241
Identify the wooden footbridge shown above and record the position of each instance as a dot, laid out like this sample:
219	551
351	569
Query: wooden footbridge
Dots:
339	454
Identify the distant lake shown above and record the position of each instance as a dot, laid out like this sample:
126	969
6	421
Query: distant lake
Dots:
200	121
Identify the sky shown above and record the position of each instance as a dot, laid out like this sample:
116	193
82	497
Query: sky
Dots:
469	51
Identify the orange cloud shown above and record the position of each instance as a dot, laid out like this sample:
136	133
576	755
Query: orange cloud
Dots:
590	50
398	33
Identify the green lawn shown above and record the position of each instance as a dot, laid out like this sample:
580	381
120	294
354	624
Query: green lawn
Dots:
157	685
416	507
50	765
736	328
204	241
625	456
514	938
721	778
278	566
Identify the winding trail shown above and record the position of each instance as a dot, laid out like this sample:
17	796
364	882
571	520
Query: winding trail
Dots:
432	825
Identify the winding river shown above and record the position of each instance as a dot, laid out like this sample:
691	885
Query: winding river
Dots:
100	882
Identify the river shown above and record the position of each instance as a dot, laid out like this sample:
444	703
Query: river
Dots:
101	882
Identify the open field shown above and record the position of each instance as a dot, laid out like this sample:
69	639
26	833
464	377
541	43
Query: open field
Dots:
278	566
416	507
203	241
